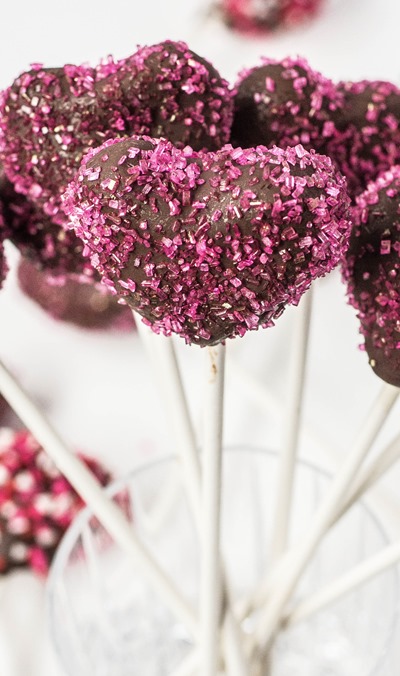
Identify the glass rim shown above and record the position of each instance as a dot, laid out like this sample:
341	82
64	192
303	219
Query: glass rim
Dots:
72	533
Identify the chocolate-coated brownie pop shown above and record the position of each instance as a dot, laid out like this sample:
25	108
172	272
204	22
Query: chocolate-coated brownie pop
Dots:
372	273
50	117
171	92
284	103
367	141
209	245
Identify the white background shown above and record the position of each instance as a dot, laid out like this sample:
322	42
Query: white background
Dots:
97	387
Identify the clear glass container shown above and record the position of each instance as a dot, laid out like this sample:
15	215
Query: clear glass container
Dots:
106	621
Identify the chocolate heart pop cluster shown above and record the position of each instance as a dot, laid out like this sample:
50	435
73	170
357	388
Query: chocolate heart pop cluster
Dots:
50	117
204	240
37	504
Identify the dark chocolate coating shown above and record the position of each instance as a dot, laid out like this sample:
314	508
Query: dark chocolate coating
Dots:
372	271
51	117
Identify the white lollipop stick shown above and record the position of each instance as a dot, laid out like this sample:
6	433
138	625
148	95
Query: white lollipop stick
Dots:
92	493
344	584
296	560
161	350
371	475
287	459
210	565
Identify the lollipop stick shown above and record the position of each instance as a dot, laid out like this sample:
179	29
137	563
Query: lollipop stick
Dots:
294	563
287	460
370	475
210	575
162	352
92	493
344	584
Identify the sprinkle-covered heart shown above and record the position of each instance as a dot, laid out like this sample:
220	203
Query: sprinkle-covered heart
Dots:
372	273
284	103
287	102
208	245
50	117
367	139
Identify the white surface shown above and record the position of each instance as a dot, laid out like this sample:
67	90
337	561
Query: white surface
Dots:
97	388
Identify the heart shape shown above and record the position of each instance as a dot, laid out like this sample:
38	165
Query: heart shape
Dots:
284	103
208	245
355	123
50	117
372	272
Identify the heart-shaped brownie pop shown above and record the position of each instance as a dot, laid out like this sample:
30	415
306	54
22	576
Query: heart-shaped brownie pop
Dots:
172	92
83	303
209	245
284	103
57	251
367	142
50	117
372	273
